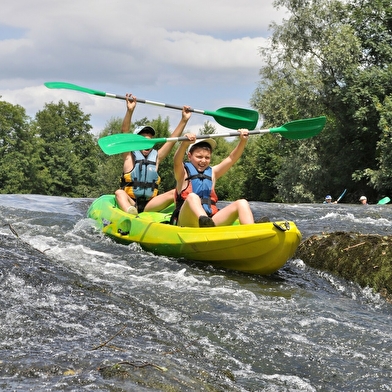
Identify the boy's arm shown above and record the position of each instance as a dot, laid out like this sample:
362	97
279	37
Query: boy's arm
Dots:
164	151
221	168
178	162
126	124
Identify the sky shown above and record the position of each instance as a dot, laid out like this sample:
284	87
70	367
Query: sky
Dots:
202	53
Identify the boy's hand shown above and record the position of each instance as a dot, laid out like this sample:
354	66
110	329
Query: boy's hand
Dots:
244	133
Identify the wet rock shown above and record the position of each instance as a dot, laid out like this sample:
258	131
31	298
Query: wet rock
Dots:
361	258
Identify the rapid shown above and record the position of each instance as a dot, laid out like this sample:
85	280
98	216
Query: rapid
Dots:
82	313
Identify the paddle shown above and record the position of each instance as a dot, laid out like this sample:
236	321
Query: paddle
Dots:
385	200
340	197
125	142
233	118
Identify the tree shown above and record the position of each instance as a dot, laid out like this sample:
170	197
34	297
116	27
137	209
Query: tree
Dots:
68	150
381	178
208	129
330	58
18	151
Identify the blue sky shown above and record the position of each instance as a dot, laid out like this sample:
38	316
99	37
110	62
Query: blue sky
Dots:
200	53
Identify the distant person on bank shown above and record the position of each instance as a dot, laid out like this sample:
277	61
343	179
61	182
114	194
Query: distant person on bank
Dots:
328	200
363	200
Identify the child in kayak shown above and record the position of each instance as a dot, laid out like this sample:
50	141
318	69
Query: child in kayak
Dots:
195	185
140	180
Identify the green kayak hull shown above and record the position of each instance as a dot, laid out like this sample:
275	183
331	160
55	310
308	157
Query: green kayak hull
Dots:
260	248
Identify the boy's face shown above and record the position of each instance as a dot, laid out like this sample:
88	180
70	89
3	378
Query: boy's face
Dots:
200	158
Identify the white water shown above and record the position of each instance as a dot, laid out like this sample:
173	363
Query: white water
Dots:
65	289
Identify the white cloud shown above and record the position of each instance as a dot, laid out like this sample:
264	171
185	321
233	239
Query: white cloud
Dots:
201	53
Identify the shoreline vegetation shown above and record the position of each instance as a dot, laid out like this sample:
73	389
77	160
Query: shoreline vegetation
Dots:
365	259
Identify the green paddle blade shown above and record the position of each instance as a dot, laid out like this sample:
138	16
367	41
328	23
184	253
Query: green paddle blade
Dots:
235	118
70	86
301	129
125	142
385	200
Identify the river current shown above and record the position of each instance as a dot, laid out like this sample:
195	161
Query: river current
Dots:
82	313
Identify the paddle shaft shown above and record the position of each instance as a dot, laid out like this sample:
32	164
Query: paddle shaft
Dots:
125	142
291	128
148	102
216	135
229	117
340	197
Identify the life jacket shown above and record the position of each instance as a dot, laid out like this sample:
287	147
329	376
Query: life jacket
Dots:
201	184
143	180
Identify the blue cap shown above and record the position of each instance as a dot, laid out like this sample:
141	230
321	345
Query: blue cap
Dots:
328	197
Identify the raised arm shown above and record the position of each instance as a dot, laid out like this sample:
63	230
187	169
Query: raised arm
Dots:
126	124
164	151
221	168
178	162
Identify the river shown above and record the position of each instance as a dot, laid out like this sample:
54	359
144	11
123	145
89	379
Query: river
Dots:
82	313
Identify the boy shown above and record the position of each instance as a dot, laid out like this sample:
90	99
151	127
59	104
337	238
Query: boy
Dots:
195	182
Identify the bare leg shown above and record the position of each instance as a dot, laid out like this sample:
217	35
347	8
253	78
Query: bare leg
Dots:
238	209
190	211
160	202
123	200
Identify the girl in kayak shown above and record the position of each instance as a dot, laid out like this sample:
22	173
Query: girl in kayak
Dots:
195	185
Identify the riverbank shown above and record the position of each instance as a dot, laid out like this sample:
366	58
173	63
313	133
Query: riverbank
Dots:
362	258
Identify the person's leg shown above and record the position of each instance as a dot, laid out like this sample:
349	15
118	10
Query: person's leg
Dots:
238	209
245	214
190	212
160	202
125	202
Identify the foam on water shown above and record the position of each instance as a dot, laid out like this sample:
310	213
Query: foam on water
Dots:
65	288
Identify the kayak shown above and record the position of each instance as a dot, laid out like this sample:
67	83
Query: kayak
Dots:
260	248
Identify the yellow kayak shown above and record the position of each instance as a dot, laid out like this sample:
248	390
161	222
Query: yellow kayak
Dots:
261	248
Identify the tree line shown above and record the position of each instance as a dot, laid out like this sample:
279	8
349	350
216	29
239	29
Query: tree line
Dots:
333	58
56	154
329	58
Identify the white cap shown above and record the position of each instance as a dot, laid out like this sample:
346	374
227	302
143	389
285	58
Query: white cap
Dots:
211	142
362	198
145	129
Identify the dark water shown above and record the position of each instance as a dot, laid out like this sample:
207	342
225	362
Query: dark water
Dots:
74	304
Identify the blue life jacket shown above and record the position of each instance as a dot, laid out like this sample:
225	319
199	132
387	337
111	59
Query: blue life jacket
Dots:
201	184
143	180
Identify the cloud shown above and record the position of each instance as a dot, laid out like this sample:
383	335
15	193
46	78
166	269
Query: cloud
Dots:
201	53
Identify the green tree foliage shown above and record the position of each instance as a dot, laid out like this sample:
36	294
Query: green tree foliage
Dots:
208	129
328	58
381	178
18	173
68	151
